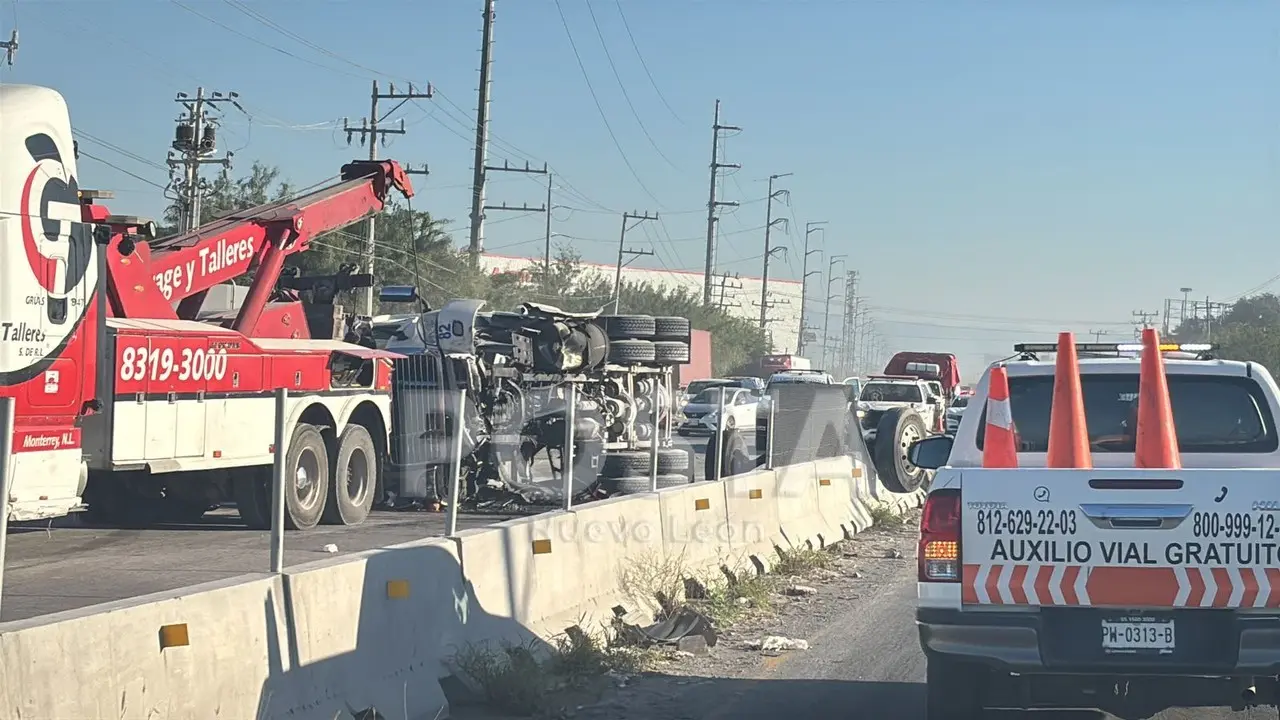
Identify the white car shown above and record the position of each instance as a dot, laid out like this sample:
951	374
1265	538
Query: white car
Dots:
955	413
701	416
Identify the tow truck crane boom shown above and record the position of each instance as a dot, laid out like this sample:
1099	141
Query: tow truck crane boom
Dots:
145	279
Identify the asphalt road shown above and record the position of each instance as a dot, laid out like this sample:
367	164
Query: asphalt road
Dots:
64	565
863	663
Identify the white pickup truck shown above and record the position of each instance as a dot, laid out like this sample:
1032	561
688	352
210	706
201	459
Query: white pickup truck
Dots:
1116	589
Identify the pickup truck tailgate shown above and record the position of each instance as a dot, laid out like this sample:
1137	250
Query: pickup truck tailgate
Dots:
1121	538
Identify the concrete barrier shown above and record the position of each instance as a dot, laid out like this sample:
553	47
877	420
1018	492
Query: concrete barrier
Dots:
376	630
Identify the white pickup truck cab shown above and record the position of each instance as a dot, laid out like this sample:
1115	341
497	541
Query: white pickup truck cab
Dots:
1117	589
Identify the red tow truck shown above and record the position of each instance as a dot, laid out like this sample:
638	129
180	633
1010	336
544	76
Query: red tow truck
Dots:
131	401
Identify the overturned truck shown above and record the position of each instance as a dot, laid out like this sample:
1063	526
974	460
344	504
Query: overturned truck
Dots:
518	371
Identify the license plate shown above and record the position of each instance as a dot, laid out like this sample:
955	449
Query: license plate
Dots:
1129	635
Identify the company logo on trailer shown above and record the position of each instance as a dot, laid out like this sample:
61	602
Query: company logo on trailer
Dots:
45	306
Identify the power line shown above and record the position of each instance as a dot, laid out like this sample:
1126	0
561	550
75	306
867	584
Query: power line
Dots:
600	108
643	64
117	168
623	86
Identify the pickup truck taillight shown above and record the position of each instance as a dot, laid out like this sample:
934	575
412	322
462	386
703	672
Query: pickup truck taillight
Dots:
939	551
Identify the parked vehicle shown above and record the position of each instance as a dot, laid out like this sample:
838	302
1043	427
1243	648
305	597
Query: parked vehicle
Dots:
955	412
702	417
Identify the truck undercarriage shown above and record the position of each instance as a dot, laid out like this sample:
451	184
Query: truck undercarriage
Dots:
517	369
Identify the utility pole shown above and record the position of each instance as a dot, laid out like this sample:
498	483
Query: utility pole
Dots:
1141	320
528	170
372	133
195	142
482	136
1097	334
546	258
723	303
627	217
716	166
10	47
826	313
769	250
809	229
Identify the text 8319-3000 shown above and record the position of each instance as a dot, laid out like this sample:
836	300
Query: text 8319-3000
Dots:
1015	521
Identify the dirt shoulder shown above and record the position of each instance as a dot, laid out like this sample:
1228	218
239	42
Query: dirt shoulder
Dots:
834	617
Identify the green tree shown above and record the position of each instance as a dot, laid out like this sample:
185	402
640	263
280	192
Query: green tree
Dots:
1249	330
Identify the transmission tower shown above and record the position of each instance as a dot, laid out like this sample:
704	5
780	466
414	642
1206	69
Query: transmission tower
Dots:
849	343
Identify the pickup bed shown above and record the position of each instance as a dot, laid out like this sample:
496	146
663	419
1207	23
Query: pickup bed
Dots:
1112	588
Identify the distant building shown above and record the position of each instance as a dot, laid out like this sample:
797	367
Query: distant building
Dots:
741	295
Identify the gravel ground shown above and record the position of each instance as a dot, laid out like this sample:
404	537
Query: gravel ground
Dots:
863	662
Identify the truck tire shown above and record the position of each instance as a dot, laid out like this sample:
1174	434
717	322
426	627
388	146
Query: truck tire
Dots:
897	430
625	463
251	490
671	328
628	485
630	352
306	490
736	458
626	327
954	690
669	481
670	352
353	477
673	461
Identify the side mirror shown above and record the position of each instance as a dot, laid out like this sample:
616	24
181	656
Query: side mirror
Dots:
930	453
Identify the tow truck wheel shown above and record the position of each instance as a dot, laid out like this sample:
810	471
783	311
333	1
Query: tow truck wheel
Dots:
353	477
306	487
953	690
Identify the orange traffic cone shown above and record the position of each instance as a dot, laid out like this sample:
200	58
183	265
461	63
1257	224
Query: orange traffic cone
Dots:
1068	434
1156	442
999	444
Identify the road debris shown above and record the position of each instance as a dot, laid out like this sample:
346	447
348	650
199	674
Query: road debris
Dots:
776	643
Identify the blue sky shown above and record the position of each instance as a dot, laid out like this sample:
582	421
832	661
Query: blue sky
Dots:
996	170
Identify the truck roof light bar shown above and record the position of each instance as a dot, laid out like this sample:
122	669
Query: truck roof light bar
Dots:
1116	347
1201	351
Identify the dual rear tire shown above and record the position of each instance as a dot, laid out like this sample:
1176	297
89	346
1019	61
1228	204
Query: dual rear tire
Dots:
331	483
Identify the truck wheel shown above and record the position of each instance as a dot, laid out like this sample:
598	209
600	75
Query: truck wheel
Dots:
954	690
353	477
624	463
306	478
667	481
630	352
670	352
897	429
631	485
671	328
623	327
736	459
672	461
251	490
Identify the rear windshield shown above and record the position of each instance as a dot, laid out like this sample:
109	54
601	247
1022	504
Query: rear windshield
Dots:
698	386
891	392
1211	414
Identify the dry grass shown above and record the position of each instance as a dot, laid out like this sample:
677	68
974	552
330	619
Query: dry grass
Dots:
884	516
